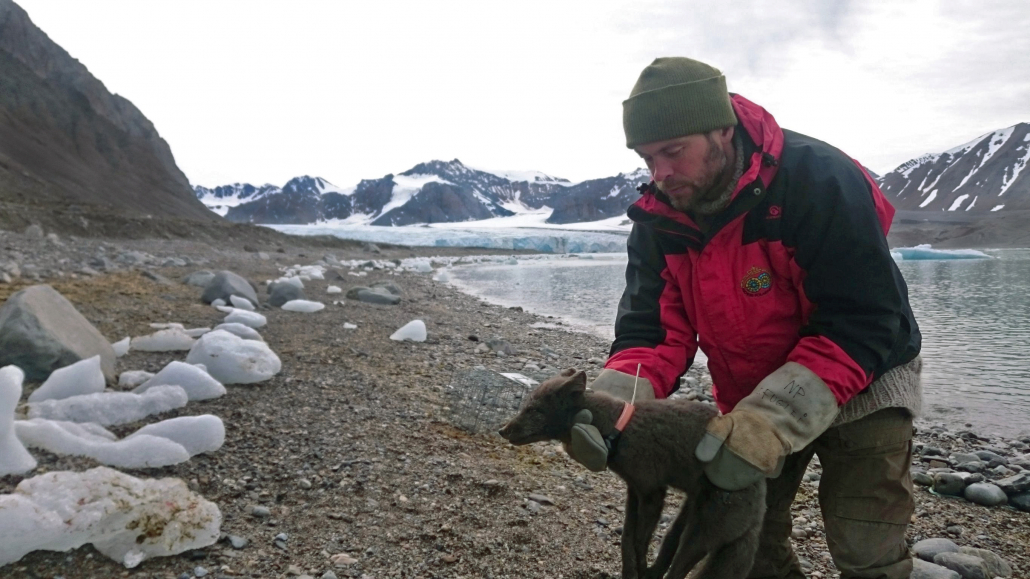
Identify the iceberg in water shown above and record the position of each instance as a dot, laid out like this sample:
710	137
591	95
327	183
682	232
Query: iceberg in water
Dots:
923	252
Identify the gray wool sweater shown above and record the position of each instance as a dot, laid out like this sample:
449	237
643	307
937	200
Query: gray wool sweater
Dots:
900	387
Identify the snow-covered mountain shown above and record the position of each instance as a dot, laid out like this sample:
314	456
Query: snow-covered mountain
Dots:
432	192
984	175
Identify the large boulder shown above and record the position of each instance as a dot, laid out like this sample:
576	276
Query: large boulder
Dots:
226	284
41	331
282	292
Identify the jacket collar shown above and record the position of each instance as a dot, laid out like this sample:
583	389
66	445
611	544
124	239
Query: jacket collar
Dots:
761	129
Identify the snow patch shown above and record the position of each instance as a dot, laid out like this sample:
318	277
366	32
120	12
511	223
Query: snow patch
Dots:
933	195
958	202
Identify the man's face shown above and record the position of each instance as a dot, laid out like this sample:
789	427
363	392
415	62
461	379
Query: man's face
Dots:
693	171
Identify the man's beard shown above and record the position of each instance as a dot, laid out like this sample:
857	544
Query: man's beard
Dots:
712	192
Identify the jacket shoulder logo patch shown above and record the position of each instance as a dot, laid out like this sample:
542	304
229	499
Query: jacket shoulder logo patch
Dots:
774	212
756	282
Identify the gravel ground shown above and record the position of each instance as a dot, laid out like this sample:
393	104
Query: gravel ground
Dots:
350	451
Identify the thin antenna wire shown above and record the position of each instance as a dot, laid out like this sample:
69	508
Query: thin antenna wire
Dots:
634	398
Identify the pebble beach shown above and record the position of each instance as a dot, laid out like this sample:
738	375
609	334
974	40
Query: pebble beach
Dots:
349	462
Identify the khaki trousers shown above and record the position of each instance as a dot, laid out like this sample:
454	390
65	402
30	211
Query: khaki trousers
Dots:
865	495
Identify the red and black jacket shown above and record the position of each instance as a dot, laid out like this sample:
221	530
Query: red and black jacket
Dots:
797	268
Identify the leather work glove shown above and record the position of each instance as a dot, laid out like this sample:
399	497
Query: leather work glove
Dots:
787	410
587	446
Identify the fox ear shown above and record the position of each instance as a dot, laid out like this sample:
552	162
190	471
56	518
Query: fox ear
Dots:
577	382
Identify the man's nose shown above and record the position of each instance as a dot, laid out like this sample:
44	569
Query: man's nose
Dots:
661	170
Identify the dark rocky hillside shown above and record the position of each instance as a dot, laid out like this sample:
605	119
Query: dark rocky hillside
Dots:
67	141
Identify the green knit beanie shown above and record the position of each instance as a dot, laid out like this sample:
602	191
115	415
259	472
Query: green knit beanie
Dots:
675	97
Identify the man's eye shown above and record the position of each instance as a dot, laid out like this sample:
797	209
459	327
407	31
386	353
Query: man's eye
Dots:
674	152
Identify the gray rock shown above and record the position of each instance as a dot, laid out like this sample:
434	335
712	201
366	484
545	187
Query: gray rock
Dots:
225	284
41	331
986	494
102	263
961	457
968	566
304	483
372	296
921	478
927	549
238	542
996	566
1021	502
988	456
156	277
533	507
34	232
199	278
951	484
372	247
352	293
388	286
1015	484
132	258
498	344
260	512
923	570
542	499
971	466
282	292
199	572
282	537
328	575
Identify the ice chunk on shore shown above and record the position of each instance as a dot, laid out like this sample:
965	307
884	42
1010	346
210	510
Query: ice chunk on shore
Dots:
197	434
303	306
349	326
69	438
196	332
252	319
232	360
242	303
125	518
333	289
82	377
133	378
422	266
110	408
121	347
218	302
442	277
924	252
198	384
245	332
167	340
14	459
167	326
414	331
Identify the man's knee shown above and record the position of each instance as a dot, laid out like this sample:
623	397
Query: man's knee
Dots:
866	494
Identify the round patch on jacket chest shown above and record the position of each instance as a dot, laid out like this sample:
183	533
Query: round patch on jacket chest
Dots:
756	282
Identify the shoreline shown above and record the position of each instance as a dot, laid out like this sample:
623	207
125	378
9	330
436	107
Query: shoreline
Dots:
352	449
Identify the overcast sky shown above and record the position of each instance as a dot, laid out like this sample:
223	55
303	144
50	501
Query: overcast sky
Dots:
260	92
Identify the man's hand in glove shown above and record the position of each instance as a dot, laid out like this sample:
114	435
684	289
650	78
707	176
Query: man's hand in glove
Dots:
587	446
787	410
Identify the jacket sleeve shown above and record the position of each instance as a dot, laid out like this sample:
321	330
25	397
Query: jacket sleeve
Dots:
651	328
857	321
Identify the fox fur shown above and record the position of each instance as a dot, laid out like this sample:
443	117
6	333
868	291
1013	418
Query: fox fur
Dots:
655	452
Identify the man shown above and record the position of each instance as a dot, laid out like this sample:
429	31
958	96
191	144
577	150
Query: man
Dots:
768	250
